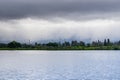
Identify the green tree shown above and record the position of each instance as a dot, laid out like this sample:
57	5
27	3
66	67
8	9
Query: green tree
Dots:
105	42
66	44
3	45
52	44
74	43
14	44
82	43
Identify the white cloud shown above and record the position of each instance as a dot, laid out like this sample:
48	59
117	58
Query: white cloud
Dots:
43	30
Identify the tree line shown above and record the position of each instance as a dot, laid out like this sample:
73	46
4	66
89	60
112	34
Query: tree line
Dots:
66	45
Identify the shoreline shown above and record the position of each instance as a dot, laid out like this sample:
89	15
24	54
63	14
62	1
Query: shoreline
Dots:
85	49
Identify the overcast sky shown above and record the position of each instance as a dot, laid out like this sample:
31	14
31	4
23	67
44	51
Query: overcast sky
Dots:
55	20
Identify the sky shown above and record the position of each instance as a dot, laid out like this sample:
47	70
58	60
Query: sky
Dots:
59	20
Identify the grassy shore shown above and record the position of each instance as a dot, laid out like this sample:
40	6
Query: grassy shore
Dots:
67	48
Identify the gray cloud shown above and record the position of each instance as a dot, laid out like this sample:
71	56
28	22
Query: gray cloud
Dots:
43	20
15	9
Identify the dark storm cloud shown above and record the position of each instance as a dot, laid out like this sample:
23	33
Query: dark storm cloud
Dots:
15	9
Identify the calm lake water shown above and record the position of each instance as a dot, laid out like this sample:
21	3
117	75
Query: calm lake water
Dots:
59	65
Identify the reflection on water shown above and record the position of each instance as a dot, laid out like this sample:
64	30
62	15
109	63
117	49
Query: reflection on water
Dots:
59	65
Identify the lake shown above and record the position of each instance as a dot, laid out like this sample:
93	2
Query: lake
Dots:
59	65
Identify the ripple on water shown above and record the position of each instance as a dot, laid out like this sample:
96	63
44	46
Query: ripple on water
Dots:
60	65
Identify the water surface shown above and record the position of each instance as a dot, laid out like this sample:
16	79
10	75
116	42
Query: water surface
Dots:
59	65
